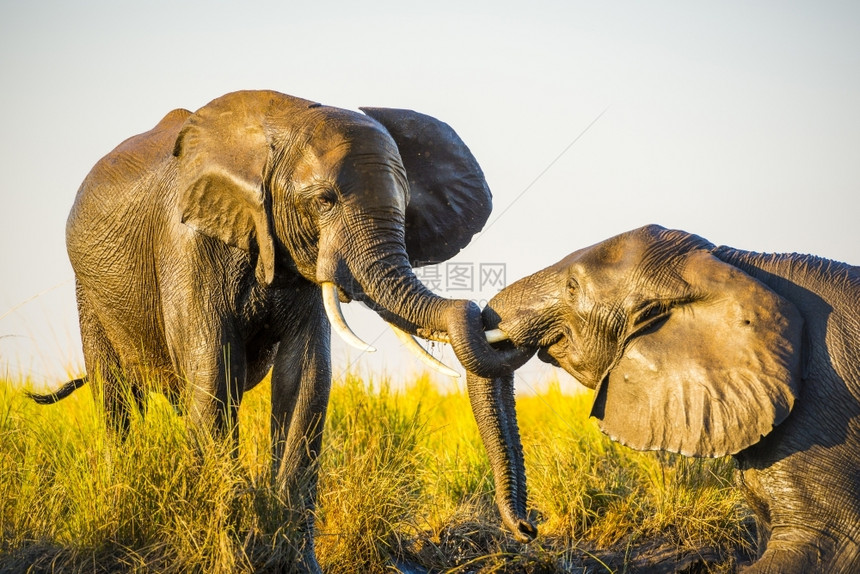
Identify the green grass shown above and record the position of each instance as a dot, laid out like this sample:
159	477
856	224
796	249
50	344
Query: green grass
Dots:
403	480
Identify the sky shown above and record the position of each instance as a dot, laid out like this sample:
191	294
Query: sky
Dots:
737	121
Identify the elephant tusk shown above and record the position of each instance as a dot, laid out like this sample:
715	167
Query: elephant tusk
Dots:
496	336
420	352
331	302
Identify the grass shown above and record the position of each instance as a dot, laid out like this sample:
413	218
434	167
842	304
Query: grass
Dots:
404	482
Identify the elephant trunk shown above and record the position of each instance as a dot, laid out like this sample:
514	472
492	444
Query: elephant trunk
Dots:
384	280
493	406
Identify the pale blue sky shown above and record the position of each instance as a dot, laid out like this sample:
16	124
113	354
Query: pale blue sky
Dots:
738	121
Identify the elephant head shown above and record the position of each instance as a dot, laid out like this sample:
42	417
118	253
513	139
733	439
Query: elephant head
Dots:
347	200
686	353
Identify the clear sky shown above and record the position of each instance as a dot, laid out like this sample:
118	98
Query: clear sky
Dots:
739	121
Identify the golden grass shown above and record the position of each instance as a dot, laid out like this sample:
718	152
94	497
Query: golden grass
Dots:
404	480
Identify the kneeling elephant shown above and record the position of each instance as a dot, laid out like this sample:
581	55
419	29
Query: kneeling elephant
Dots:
704	351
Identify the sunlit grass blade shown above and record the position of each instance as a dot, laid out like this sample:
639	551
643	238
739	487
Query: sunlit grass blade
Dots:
403	480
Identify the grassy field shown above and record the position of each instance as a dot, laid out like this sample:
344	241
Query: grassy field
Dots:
404	486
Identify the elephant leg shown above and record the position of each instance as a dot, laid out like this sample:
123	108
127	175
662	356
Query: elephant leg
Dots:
789	558
801	521
216	390
213	361
753	491
301	381
104	369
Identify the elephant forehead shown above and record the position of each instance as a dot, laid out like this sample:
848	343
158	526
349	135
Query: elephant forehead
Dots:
322	161
643	261
608	263
331	128
333	153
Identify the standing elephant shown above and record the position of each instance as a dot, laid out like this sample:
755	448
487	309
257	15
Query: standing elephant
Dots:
704	351
211	248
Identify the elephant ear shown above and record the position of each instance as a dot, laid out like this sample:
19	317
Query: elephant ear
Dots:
222	151
449	199
715	377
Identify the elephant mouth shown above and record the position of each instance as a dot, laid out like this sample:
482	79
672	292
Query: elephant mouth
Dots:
545	355
555	352
558	354
343	295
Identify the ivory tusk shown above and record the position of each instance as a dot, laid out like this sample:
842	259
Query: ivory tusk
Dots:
331	302
420	352
496	336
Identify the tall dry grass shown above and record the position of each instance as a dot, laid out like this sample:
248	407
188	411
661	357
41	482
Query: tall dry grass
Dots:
404	482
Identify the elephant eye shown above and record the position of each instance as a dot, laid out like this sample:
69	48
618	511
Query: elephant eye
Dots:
572	286
326	200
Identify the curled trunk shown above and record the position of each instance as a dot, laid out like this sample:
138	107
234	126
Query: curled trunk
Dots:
386	283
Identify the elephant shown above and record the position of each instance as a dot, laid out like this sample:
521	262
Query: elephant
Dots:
219	245
706	351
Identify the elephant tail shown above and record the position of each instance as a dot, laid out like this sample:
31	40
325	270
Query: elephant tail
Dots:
59	394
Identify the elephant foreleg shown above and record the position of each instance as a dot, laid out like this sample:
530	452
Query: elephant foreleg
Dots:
301	381
216	378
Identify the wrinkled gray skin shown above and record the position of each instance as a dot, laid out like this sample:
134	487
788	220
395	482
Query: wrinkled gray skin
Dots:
705	351
199	246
